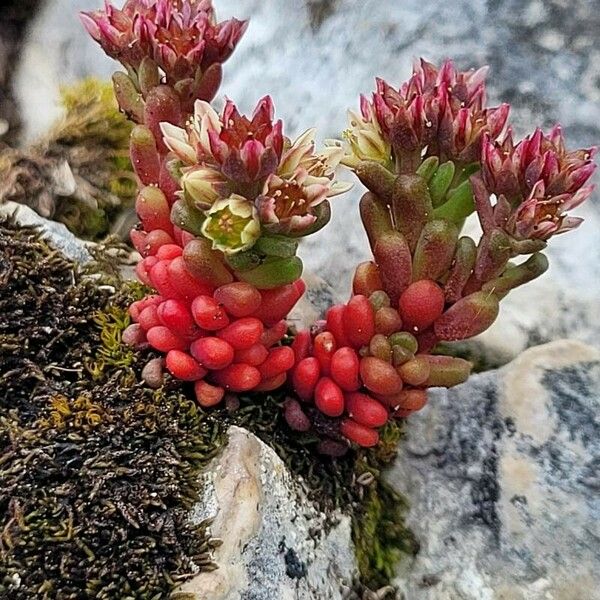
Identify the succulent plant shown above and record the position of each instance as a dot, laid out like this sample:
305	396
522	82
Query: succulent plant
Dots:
431	153
223	198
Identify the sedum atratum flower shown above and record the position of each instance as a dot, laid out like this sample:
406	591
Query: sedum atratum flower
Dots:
437	112
320	166
181	36
203	186
244	150
365	138
536	182
303	180
232	224
286	205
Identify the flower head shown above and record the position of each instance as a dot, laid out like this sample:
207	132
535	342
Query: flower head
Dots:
232	224
514	170
437	112
536	182
231	153
540	218
302	181
286	205
365	137
244	150
181	36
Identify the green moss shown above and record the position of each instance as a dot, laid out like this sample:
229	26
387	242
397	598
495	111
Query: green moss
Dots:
352	483
103	513
111	354
380	536
92	113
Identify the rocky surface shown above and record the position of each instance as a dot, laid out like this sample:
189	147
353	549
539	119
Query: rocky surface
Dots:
270	547
501	474
316	56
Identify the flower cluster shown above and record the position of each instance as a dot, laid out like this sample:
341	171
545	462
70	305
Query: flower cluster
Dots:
182	37
243	171
437	112
535	182
177	43
216	329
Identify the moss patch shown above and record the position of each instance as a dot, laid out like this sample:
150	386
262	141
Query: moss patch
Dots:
96	474
79	173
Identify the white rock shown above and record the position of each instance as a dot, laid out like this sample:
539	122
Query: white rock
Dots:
265	523
501	478
56	233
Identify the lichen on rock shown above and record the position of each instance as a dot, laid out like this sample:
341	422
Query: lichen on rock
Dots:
503	490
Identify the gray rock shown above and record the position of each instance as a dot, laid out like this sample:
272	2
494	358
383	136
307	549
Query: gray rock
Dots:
315	57
501	477
56	233
319	296
265	523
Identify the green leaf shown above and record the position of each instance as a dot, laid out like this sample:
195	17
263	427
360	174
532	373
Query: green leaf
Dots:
440	182
273	273
459	205
276	245
428	167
